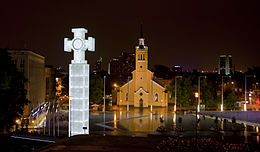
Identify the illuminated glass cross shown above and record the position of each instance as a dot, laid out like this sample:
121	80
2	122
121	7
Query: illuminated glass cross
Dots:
79	45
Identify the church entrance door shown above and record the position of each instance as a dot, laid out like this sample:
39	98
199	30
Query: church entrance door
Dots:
141	102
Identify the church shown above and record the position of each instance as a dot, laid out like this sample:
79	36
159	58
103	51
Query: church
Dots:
142	90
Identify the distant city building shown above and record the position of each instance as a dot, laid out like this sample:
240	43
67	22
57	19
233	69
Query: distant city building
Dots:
50	84
120	68
61	78
176	69
97	67
32	65
225	65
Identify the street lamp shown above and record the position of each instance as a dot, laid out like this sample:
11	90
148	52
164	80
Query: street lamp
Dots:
104	94
104	102
152	96
128	93
115	85
115	93
246	76
196	96
222	96
175	98
199	91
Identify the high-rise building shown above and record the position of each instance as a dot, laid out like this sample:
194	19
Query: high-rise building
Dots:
225	65
120	68
32	65
176	69
97	67
50	84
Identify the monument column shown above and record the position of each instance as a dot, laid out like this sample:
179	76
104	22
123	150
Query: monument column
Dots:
79	81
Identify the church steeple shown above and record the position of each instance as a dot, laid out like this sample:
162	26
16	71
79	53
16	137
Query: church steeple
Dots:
141	39
141	32
141	53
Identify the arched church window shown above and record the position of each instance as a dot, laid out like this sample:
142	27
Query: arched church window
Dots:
156	97
126	96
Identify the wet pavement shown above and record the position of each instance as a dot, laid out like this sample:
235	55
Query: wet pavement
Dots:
143	122
161	121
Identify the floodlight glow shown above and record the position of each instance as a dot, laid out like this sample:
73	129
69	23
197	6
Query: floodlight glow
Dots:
245	109
79	81
196	94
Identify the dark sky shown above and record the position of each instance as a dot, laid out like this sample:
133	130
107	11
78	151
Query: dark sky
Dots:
188	33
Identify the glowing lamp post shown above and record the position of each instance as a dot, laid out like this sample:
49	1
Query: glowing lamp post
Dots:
222	94
246	76
199	90
175	98
115	85
196	96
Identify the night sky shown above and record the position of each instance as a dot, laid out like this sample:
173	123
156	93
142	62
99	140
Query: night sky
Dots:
188	33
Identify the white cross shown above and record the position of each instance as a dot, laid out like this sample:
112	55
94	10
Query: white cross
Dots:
79	45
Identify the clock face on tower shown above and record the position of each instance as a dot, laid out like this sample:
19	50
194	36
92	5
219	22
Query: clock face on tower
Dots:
77	43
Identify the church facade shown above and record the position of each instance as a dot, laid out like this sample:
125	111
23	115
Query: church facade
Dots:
142	90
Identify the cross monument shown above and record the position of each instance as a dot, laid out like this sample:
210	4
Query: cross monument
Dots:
79	81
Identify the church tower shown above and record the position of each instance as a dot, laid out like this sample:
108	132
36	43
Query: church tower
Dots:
141	52
142	90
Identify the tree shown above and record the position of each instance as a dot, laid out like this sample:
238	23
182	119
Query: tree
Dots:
229	99
185	90
208	93
186	97
96	88
188	85
12	92
162	71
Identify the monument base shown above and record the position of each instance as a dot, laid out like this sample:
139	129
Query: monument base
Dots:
79	98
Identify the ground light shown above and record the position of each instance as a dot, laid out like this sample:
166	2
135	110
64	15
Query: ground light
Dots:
199	90
246	76
175	97
222	96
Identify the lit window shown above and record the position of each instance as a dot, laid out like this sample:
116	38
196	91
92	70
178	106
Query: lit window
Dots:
126	97
156	97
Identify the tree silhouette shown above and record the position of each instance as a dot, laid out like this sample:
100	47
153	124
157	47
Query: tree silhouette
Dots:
12	92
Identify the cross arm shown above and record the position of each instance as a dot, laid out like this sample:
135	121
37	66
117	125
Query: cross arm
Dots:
90	43
67	45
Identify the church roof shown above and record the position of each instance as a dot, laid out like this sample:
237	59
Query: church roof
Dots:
158	84
127	83
140	90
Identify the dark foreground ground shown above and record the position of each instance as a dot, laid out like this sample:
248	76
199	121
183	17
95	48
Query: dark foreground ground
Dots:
125	143
150	143
9	144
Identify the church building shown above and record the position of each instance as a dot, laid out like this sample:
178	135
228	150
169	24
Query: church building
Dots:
142	90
